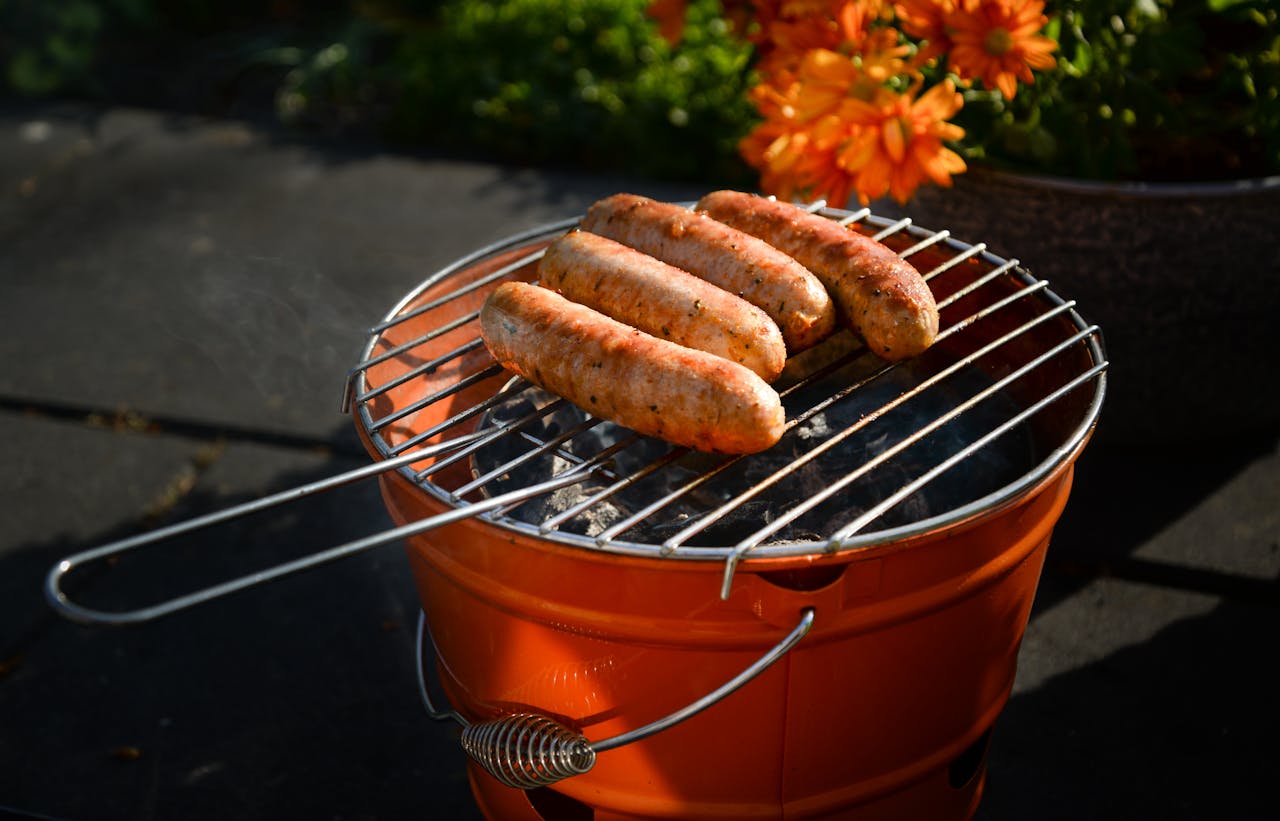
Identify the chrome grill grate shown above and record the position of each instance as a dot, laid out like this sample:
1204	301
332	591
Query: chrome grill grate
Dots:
998	321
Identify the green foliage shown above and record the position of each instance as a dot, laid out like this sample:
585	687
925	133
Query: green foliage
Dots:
582	82
77	47
1150	89
45	47
587	82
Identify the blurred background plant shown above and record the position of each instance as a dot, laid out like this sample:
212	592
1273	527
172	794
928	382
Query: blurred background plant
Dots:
587	82
584	82
1133	89
1146	89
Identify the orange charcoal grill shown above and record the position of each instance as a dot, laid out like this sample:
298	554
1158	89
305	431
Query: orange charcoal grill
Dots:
626	629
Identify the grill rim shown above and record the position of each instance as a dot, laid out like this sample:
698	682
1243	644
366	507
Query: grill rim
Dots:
983	507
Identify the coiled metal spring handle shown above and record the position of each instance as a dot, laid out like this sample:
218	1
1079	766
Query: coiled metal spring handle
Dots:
527	750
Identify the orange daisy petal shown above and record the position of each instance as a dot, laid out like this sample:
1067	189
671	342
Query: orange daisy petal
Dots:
895	138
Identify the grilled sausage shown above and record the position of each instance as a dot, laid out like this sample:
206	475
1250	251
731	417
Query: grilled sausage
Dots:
741	264
663	301
616	372
881	296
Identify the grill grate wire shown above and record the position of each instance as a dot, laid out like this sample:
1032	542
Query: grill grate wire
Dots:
580	459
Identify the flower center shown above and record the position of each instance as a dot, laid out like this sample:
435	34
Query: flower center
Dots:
997	42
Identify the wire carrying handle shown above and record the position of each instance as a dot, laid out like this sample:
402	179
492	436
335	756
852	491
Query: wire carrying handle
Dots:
528	750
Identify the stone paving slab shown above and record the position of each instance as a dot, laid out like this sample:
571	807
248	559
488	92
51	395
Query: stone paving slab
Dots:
1203	513
1234	531
295	699
1136	700
153	263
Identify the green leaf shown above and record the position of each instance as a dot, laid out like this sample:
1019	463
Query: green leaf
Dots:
1082	61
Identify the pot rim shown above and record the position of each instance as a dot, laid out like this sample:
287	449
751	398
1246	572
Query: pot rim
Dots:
1136	189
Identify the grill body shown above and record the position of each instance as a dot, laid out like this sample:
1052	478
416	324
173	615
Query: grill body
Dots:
911	659
882	711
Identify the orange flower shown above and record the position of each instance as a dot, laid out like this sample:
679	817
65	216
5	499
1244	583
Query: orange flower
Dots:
799	163
823	80
795	147
835	121
925	20
793	27
857	16
785	41
829	132
996	41
897	142
796	9
881	58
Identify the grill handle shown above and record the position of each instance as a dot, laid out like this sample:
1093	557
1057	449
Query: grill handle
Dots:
527	750
62	603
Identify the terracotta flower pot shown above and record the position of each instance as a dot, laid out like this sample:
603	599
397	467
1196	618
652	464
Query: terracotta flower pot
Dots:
1183	279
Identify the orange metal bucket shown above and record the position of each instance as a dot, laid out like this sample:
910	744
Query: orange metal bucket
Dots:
882	711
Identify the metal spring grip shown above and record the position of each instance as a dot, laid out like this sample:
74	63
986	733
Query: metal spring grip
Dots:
527	750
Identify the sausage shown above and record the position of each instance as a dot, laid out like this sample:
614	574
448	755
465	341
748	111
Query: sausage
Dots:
616	372
663	301
879	295
737	262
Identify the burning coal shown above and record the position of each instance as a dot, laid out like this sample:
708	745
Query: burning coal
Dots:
648	492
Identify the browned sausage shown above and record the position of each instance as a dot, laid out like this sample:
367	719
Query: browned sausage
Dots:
881	296
663	301
741	264
616	372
